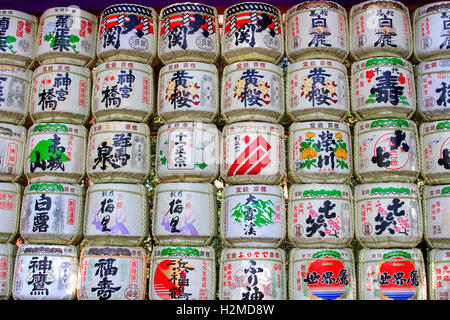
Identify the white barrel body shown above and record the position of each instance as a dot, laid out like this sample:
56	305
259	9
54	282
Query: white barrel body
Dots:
12	151
15	84
252	274
253	215
127	31
188	32
322	274
19	31
317	29
52	213
182	273
118	151
379	28
252	31
188	91
116	214
61	93
7	261
252	91
253	152
320	215
386	150
436	216
383	87
55	153
388	215
10	201
67	35
123	90
45	272
112	273
319	151
438	263
391	274
187	152
184	213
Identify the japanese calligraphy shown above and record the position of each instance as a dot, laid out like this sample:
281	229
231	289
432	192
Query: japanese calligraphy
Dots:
391	220
60	38
319	29
105	287
113	95
445	33
254	213
252	290
41	275
385	29
250	90
42	207
48	155
116	155
318	89
6	40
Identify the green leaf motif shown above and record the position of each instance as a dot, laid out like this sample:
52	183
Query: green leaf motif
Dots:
201	165
163	161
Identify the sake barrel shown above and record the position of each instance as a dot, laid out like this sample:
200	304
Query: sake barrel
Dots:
433	90
320	215
56	153
12	149
252	274
10	200
14	93
18	31
61	93
188	32
116	214
123	90
182	273
52	213
184	213
431	31
252	91
119	151
435	154
438	265
322	274
127	31
379	28
67	35
382	87
386	150
436	216
253	215
391	274
253	153
318	90
319	151
45	272
187	152
112	273
317	29
7	259
388	215
188	91
252	31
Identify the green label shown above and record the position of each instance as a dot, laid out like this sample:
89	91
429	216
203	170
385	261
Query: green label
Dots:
50	127
381	123
396	253
322	192
390	190
385	60
46	187
178	250
327	253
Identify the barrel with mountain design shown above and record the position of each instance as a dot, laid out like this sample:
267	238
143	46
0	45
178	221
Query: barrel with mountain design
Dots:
52	213
391	274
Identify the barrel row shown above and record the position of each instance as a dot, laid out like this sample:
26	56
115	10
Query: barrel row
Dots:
251	31
103	273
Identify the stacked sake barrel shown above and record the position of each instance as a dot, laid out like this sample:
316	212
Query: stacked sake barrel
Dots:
320	210
388	216
118	164
52	208
184	215
16	58
252	216
431	50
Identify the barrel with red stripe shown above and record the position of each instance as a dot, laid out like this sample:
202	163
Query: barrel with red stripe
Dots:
252	31
127	31
188	32
253	152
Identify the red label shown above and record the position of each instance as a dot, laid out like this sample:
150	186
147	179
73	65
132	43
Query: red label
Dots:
71	212
252	159
327	278
11	155
398	279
